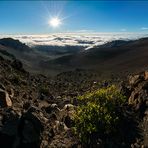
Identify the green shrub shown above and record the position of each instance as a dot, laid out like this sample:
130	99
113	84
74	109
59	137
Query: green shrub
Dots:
98	114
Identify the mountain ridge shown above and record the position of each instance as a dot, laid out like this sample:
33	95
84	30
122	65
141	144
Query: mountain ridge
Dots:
112	57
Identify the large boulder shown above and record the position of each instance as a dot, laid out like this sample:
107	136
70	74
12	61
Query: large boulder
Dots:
139	95
52	108
8	128
68	121
134	80
5	100
67	115
29	130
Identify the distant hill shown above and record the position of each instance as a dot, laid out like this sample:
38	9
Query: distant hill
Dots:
15	44
113	57
111	44
11	49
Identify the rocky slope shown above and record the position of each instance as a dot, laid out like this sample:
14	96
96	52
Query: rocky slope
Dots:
138	99
36	111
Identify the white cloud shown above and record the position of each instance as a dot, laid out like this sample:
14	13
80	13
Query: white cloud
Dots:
144	28
85	40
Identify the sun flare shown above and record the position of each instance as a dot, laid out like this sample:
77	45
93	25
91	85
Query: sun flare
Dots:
55	22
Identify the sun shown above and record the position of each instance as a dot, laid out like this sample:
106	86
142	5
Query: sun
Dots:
55	22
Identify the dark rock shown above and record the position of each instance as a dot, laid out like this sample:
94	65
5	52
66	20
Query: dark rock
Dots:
26	105
125	90
68	121
53	116
6	141
1	120
41	96
53	108
29	130
8	130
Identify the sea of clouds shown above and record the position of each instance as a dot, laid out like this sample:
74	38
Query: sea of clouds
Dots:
85	40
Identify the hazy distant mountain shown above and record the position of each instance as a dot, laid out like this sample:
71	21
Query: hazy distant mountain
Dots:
111	44
116	56
58	50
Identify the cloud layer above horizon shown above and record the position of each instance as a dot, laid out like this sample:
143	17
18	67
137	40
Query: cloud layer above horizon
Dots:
84	40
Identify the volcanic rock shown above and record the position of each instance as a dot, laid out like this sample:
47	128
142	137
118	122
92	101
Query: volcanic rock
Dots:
5	100
29	130
134	80
146	75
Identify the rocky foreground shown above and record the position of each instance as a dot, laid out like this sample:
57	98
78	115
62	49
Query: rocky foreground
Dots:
36	111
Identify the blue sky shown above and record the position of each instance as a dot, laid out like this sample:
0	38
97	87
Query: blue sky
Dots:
24	17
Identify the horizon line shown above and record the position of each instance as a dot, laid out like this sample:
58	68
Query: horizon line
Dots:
75	32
